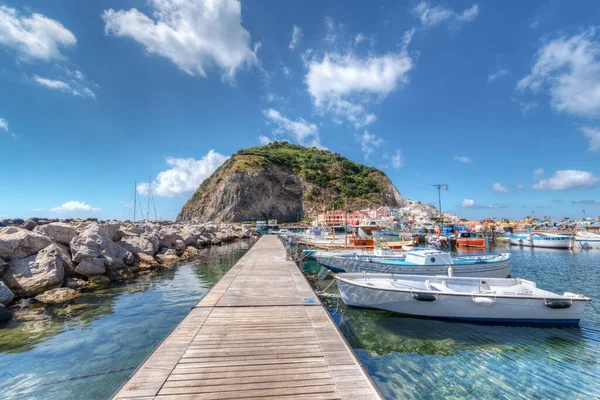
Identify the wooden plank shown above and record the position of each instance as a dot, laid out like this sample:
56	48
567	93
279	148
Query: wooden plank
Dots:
247	340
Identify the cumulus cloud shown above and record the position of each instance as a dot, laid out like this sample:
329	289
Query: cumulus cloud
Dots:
520	186
75	88
499	188
300	130
343	84
397	159
538	173
593	134
462	159
499	73
184	176
193	34
74	207
369	143
4	124
469	203
567	179
264	140
569	68
34	36
433	15
296	36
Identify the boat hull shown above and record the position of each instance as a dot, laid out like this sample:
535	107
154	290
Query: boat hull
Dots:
499	269
556	243
460	307
587	244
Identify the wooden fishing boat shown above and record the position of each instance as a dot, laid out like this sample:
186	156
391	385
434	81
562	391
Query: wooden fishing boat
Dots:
471	299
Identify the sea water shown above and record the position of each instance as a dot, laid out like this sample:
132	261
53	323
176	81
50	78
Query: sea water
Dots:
431	359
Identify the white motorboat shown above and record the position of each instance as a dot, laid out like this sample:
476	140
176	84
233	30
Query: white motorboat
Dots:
423	262
537	239
587	240
471	299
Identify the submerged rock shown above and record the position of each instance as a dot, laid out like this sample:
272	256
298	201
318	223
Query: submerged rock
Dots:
147	262
76	283
91	267
6	296
99	280
5	315
58	295
61	232
168	256
16	243
32	275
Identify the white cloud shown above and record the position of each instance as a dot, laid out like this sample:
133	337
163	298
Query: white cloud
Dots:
369	143
359	38
499	188
331	35
296	36
74	207
434	15
569	67
286	71
499	73
34	37
74	88
342	84
593	134
520	186
567	179
301	131
397	159
193	34
264	140
462	159
4	124
538	173
184	176
467	203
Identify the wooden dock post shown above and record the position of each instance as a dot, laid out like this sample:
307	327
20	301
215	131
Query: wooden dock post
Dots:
260	332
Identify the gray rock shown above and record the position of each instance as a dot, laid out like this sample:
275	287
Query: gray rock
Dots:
3	266
91	266
76	283
168	236
147	262
58	295
139	245
6	296
94	242
29	224
99	280
34	274
113	229
16	243
68	263
59	231
5	315
116	268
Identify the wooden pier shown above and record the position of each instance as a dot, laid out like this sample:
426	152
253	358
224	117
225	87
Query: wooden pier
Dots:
260	332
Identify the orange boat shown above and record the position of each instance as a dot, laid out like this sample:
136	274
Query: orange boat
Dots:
470	239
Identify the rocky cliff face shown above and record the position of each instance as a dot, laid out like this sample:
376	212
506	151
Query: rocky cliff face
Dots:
286	182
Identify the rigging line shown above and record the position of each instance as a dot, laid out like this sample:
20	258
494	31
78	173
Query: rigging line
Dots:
140	205
154	204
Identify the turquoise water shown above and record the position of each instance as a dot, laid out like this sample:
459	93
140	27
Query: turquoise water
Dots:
88	349
429	359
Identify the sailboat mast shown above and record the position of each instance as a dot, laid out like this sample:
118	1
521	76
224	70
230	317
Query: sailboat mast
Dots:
148	209
134	199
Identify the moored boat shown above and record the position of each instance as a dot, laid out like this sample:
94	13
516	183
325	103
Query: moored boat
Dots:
587	240
471	299
423	262
537	239
470	239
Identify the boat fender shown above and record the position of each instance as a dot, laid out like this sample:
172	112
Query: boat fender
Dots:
484	301
558	304
428	297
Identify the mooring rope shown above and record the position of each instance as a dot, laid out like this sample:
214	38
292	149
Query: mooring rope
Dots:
589	301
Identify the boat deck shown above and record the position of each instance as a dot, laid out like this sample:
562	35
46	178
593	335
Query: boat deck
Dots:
260	332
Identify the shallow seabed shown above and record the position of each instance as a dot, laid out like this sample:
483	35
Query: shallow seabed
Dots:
429	359
87	349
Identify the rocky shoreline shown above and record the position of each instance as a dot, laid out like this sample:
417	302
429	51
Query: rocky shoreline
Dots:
53	260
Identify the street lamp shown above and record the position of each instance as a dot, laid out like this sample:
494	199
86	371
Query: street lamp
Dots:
439	187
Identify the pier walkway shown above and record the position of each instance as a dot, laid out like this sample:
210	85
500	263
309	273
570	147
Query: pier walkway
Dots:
260	332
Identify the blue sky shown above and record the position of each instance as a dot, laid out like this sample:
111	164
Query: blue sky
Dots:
502	103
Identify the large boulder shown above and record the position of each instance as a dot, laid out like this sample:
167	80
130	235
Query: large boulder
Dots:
68	263
94	242
190	234
58	295
32	275
61	232
168	236
17	243
6	296
116	269
113	229
91	266
140	244
29	224
3	266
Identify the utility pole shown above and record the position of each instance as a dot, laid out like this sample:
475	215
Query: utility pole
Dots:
134	198
439	187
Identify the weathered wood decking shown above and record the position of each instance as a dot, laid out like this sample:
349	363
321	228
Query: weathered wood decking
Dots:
260	332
